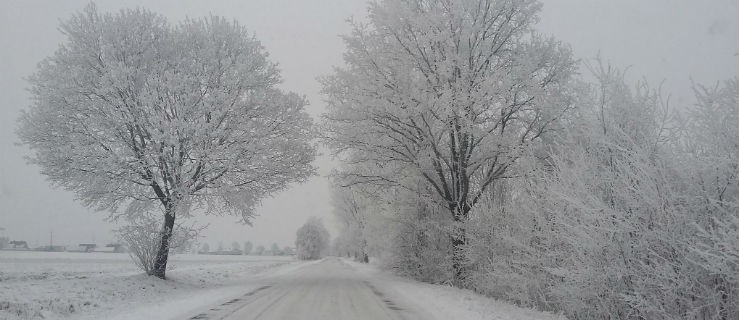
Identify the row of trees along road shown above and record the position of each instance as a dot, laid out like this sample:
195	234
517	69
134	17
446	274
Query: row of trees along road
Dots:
138	116
473	154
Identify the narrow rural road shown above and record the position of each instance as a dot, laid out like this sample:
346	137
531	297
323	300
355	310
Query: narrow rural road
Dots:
329	289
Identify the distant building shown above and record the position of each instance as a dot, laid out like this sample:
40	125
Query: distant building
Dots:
19	244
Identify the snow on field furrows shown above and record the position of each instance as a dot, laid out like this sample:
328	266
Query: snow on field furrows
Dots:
44	285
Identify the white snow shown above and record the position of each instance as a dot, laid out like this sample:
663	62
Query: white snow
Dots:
52	285
446	302
60	285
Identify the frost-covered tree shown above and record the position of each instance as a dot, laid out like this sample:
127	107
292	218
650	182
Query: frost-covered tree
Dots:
341	246
275	249
350	208
205	248
450	91
132	112
259	250
248	247
714	132
312	240
235	246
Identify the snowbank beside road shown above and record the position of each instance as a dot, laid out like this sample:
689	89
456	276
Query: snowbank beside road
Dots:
445	302
51	285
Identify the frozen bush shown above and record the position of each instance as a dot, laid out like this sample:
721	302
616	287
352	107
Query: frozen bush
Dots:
143	238
312	241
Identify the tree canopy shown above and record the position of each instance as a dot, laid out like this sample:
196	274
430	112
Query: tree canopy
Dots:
132	112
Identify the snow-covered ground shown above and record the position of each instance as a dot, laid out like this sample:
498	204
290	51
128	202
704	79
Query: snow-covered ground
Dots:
51	285
445	302
44	285
339	289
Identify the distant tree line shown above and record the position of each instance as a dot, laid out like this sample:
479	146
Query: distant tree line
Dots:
248	249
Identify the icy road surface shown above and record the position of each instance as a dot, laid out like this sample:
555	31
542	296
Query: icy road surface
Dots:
330	289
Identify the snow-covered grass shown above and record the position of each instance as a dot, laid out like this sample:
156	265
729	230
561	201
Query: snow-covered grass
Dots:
446	302
50	285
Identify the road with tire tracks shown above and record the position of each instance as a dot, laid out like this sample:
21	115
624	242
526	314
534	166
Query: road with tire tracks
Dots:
329	289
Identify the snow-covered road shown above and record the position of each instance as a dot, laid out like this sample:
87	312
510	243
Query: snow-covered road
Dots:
329	289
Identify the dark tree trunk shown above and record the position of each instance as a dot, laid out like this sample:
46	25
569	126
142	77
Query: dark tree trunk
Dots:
458	261
365	256
459	240
160	265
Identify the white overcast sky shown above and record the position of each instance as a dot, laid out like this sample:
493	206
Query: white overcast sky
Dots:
661	40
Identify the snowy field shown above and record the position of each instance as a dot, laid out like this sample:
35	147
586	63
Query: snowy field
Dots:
51	285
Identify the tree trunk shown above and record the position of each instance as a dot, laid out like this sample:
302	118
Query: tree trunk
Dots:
723	311
458	265
365	256
160	265
459	240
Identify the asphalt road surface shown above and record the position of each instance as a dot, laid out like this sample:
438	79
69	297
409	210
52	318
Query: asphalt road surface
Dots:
329	289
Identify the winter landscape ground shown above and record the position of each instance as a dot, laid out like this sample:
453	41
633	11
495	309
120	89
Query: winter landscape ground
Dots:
44	285
454	151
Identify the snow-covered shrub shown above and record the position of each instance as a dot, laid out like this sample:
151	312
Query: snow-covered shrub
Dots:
312	240
714	248
640	222
421	241
613	202
143	238
507	247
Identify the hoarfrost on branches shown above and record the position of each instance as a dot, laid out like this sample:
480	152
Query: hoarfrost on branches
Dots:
143	240
132	111
450	91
